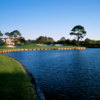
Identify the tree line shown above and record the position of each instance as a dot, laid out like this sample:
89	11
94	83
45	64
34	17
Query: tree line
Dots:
87	42
78	31
14	34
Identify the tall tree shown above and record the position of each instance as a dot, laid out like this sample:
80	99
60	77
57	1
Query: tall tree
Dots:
1	33
78	31
16	34
7	34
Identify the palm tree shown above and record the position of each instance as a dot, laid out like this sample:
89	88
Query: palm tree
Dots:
79	31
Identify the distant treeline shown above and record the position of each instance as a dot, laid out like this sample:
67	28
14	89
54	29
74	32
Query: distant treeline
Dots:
49	40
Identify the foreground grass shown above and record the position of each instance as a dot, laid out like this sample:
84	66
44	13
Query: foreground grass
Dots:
32	46
14	82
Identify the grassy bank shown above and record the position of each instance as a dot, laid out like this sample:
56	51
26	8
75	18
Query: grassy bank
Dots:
14	82
32	46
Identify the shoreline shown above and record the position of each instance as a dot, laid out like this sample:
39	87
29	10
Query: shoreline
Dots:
38	93
38	49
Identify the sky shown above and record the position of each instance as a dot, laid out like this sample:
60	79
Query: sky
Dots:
52	18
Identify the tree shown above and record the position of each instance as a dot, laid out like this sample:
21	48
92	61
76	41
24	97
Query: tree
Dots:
73	42
68	41
87	41
1	33
22	39
7	34
41	39
50	40
16	34
79	31
63	39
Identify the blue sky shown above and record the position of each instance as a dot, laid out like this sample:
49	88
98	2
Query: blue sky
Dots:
54	18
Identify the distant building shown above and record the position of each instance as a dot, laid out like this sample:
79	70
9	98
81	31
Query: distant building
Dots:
9	41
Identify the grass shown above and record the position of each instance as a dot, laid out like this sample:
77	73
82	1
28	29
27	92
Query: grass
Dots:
42	46
32	46
14	82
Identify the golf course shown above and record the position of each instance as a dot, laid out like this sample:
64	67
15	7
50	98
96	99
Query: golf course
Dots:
14	84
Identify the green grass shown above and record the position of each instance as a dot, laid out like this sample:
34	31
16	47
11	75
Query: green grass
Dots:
42	46
32	46
14	82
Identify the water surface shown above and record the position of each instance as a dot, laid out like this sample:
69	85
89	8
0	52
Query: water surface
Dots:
65	74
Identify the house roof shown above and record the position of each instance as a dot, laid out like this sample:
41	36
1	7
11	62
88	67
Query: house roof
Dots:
7	38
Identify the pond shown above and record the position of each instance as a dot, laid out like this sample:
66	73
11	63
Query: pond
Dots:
65	74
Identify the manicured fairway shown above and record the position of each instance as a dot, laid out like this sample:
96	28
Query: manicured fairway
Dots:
14	82
32	46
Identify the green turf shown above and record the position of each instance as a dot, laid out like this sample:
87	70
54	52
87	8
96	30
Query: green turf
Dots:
14	82
42	46
27	46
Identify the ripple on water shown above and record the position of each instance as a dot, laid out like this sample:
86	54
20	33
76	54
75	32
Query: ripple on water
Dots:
66	74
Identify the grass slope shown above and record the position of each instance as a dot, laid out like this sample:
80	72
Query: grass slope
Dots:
14	82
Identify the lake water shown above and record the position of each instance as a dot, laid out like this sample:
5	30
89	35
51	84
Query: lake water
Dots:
65	74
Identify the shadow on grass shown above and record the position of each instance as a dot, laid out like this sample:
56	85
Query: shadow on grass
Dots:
15	86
